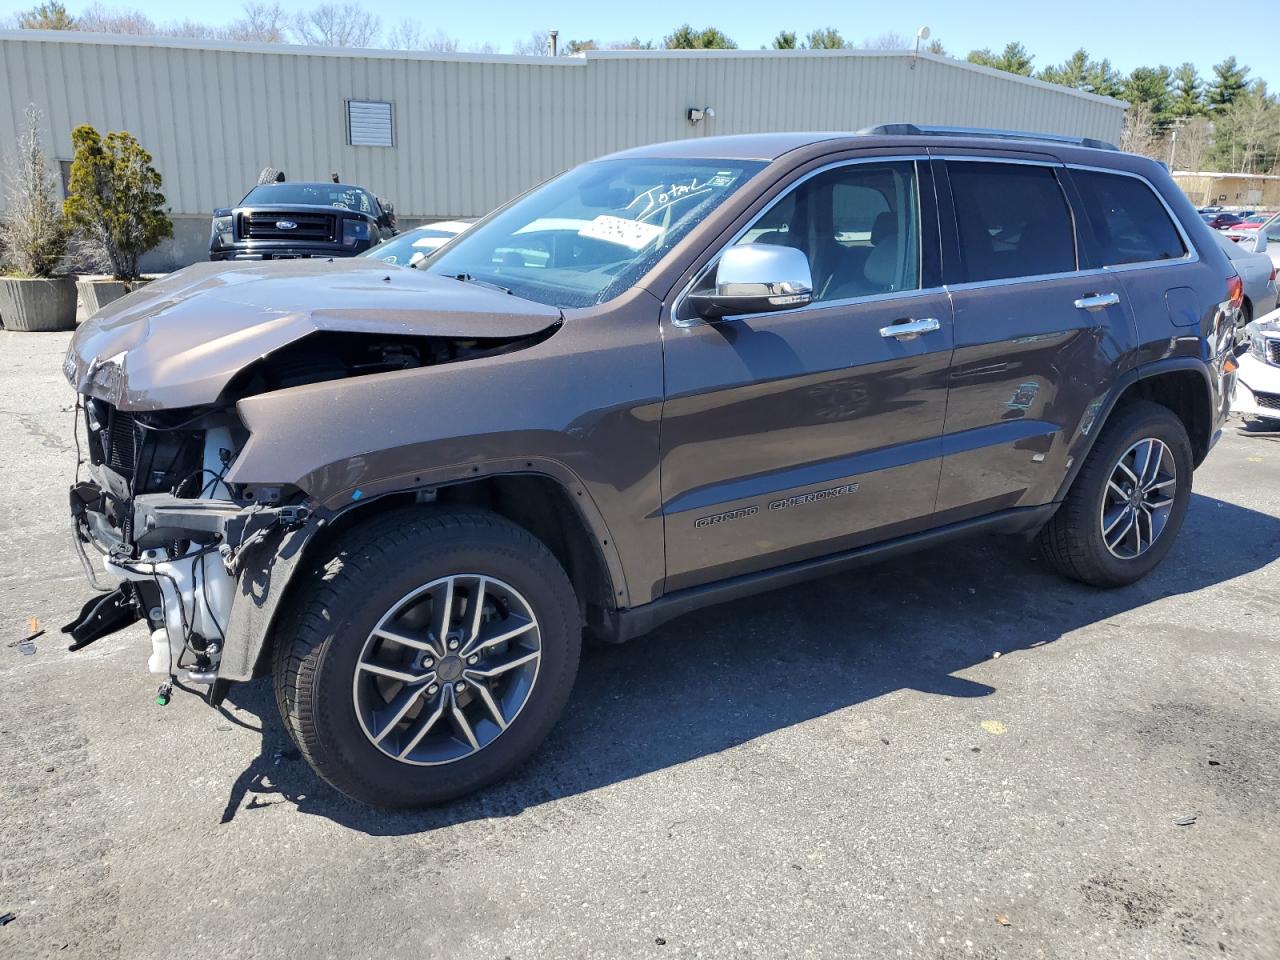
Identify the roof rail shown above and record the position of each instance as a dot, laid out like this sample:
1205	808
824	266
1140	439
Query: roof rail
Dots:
919	130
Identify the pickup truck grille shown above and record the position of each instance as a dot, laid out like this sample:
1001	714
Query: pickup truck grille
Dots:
311	227
1273	350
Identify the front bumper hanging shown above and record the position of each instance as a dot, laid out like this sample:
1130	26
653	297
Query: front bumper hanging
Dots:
187	596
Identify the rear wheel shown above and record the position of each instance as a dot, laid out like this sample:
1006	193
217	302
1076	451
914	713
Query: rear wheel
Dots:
1125	508
429	658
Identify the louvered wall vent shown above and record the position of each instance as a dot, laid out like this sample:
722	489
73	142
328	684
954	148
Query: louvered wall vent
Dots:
369	124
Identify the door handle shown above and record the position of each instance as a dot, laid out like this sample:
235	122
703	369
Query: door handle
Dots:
1097	301
910	329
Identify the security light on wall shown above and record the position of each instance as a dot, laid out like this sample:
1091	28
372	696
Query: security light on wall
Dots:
921	34
698	114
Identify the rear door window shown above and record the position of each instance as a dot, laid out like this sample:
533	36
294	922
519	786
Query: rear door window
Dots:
1128	219
1012	220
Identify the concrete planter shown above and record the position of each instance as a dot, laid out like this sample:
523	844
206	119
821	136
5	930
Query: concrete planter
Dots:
38	305
96	292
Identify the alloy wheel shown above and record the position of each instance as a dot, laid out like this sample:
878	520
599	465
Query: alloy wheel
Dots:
1138	499
447	669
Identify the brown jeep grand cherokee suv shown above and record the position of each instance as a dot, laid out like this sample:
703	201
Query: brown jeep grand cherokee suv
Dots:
669	377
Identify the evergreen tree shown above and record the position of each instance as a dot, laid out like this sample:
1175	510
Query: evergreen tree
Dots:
827	38
1188	92
114	200
687	38
1013	59
1073	73
1102	79
1150	86
1230	80
47	16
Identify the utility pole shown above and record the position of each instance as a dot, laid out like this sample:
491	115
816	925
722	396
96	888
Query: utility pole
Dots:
1173	139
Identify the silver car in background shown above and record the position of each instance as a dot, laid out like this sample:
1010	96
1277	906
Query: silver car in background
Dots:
1258	273
1270	229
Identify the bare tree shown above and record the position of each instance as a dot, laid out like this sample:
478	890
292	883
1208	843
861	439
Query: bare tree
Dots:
887	41
1257	125
441	42
33	231
98	19
263	22
1138	135
408	35
405	35
534	46
334	25
1191	148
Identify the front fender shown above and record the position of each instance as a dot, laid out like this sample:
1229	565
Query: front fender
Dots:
267	572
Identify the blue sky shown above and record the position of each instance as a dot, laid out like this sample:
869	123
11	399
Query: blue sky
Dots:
1128	33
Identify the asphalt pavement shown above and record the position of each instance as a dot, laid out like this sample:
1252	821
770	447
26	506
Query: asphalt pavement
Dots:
952	755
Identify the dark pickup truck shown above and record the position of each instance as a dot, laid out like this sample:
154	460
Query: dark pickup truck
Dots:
286	221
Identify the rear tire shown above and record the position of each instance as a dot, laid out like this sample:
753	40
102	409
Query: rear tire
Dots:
393	578
1086	538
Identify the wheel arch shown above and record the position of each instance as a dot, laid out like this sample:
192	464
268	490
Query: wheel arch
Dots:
1179	384
1184	388
559	514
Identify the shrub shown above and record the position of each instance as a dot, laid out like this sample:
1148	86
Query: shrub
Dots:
33	231
114	200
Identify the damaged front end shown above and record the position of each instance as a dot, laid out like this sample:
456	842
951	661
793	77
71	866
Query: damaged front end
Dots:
157	517
164	527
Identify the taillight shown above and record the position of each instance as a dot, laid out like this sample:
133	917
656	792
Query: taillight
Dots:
1272	278
1235	291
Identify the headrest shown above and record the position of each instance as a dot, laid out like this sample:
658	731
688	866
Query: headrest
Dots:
886	225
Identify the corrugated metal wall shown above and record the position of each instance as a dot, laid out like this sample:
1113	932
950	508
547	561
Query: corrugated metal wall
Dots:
471	131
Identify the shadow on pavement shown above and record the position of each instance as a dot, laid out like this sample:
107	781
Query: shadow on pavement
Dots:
726	675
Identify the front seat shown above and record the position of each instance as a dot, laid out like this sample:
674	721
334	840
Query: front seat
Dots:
883	263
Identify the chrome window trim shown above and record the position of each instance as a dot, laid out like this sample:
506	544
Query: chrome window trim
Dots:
1191	256
870	298
1035	278
994	158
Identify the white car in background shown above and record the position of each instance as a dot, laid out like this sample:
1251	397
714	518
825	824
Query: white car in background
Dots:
407	248
1257	392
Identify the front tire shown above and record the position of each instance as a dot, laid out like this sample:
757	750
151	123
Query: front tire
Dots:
430	655
1125	508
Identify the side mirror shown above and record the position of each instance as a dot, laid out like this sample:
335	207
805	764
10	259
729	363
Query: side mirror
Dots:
756	278
1259	244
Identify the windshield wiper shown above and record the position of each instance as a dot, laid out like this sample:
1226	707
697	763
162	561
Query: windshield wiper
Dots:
468	278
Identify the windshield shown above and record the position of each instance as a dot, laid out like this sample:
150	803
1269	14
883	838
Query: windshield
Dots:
314	194
408	248
588	235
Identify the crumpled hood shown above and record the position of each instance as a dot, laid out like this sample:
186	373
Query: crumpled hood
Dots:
179	340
